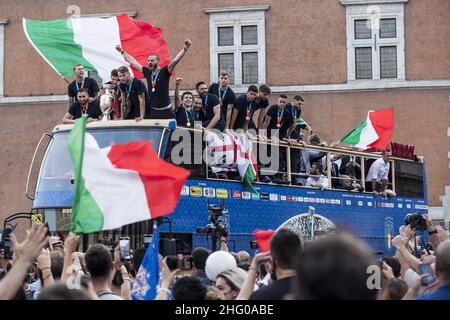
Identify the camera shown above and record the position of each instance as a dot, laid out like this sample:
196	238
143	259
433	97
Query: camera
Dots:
218	228
5	243
416	221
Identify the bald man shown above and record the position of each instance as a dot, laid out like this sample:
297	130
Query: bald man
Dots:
442	273
243	256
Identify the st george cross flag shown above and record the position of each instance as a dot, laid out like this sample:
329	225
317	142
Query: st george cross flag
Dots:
147	278
91	42
231	152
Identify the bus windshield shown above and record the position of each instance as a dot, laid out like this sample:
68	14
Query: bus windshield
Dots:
57	169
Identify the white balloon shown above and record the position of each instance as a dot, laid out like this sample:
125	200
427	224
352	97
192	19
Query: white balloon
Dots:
219	262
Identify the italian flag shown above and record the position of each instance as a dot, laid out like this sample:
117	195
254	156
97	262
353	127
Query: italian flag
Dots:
300	122
120	184
91	42
374	132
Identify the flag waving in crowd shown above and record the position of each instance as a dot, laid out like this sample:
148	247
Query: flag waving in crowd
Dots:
374	132
147	278
64	43
120	184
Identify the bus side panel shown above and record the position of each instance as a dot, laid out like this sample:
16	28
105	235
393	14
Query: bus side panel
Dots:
374	219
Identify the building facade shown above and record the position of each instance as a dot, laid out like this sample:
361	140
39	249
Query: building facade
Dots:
344	56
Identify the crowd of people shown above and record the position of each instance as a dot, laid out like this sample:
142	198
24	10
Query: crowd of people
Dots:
334	266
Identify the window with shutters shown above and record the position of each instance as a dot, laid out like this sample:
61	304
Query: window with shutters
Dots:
375	40
237	44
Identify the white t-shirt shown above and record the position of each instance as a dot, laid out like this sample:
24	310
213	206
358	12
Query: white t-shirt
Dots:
379	170
312	182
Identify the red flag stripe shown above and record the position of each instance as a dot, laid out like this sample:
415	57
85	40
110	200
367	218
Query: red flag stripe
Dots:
141	39
383	123
162	181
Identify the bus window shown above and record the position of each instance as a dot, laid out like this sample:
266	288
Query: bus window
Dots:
272	162
57	169
368	184
346	173
409	179
185	149
301	163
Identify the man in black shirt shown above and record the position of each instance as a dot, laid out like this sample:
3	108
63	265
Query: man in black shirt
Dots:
285	247
198	114
82	106
243	110
158	81
298	124
262	102
278	120
82	82
226	96
211	108
134	96
183	108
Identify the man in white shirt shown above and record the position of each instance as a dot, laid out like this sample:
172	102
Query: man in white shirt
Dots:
377	179
317	179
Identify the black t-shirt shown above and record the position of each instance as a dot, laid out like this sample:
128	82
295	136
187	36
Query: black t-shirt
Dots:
159	98
275	291
244	108
184	116
209	102
285	120
93	110
259	104
198	116
131	91
295	134
87	83
226	97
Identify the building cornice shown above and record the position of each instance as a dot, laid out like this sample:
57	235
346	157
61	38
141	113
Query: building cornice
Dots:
355	86
367	2
237	9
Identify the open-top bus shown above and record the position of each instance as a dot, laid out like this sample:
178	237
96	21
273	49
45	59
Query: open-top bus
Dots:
309	211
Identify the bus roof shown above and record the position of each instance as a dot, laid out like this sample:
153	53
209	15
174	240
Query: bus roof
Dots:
164	123
116	124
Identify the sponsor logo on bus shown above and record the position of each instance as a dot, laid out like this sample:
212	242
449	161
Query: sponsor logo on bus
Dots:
185	191
222	193
273	197
196	191
246	195
209	192
265	196
236	194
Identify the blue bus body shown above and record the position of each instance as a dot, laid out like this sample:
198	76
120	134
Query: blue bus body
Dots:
372	218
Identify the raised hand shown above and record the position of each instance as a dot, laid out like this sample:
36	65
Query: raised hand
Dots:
30	248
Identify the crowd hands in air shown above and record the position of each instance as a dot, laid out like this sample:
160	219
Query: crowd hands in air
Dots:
334	266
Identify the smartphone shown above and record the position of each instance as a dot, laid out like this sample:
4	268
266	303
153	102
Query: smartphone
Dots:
124	248
172	262
57	245
425	268
184	262
147	240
